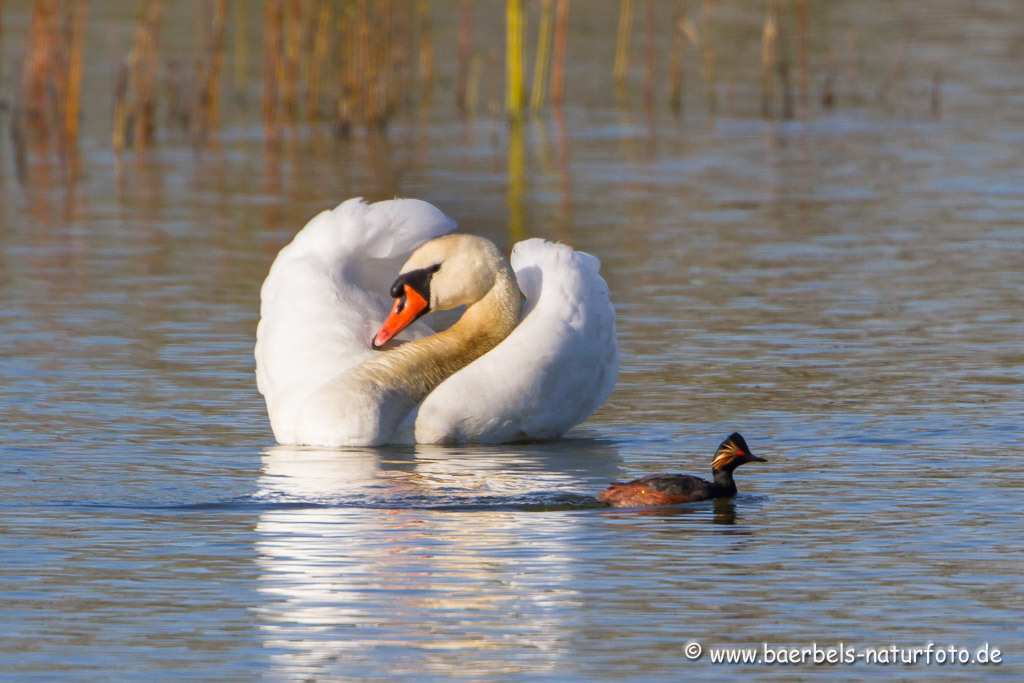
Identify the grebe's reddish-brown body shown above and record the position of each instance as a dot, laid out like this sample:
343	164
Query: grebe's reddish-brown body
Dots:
673	489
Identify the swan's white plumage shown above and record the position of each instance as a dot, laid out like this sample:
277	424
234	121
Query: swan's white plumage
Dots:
325	298
555	369
326	295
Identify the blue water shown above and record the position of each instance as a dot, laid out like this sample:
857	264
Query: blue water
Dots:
845	291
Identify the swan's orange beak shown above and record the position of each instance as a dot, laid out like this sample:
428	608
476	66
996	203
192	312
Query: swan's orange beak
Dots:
407	308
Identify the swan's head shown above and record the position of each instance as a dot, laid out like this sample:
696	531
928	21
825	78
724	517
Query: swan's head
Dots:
444	273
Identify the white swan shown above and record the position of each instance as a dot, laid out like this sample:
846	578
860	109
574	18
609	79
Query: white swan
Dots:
507	370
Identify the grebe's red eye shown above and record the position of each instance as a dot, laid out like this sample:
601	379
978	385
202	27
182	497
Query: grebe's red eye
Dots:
739	452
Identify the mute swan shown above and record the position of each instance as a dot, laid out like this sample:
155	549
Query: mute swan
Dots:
507	370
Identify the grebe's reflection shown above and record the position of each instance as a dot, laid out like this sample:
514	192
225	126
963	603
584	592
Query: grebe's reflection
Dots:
414	559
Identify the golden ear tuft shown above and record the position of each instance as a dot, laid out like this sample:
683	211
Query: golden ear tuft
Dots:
733	447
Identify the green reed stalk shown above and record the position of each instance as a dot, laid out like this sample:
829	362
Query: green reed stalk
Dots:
514	29
543	57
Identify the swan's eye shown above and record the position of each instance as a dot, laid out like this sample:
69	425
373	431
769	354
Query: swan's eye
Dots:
419	280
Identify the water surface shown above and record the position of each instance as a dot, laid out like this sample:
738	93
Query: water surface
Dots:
845	290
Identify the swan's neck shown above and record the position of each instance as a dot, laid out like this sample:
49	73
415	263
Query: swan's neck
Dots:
414	369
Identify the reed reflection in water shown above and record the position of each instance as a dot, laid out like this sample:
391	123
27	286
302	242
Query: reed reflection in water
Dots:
844	288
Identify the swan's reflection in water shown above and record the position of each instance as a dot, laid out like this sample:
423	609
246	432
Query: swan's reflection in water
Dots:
391	561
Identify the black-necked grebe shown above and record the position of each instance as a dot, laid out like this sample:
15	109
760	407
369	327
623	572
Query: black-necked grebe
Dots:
673	489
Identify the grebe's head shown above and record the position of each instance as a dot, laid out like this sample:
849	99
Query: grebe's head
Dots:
732	453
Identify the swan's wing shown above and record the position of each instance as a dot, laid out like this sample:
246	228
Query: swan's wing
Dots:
326	296
551	373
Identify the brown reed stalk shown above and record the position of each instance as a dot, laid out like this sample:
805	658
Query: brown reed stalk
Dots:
216	60
367	95
146	51
272	49
476	72
710	59
306	30
677	70
18	143
1	33
174	93
75	61
803	23
209	62
118	140
783	66
292	41
240	48
853	67
465	54
348	53
399	57
558	55
622	39
376	32
321	43
200	26
426	44
40	70
828	85
936	99
514	83
542	59
384	66
769	34
894	71
649	19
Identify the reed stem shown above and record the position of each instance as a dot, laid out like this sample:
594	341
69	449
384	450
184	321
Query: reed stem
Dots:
272	48
292	42
514	84
710	60
769	34
622	40
558	56
426	49
121	106
649	19
677	70
543	58
803	21
240	50
321	42
144	74
75	61
39	68
465	54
